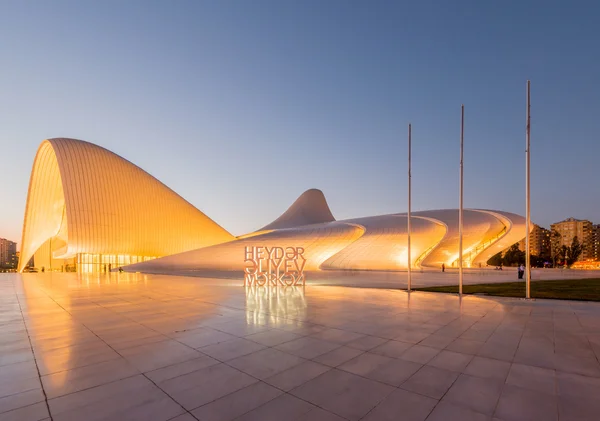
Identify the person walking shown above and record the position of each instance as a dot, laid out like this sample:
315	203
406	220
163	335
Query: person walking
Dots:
443	267
521	271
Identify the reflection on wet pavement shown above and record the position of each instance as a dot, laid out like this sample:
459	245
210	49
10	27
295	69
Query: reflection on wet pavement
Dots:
156	347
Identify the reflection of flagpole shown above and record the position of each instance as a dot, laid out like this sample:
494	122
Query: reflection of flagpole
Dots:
527	197
408	219
460	208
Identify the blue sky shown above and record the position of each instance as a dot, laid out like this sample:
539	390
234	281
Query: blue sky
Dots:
241	106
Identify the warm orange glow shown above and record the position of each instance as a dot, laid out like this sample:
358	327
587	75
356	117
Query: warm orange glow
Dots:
85	199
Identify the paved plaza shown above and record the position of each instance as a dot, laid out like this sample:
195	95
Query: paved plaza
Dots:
156	347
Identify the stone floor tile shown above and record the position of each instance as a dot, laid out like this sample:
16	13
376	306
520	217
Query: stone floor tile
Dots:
284	407
475	393
465	346
569	384
430	381
518	404
578	365
404	405
366	342
240	328
384	369
150	403
184	417
70	381
449	360
205	385
578	408
237	403
488	368
273	337
297	375
229	350
539	353
22	370
498	350
419	354
391	349
152	356
18	385
198	338
338	356
411	336
132	386
179	369
338	336
35	412
533	378
265	363
318	414
18	356
344	394
8	403
446	411
307	347
437	341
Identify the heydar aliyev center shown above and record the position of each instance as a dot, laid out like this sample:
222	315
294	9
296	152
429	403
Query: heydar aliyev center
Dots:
90	210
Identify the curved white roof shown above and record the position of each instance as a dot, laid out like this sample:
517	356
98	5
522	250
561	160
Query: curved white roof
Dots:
310	208
370	243
85	199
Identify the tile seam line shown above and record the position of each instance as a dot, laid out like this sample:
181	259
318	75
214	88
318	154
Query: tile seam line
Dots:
94	333
33	353
504	384
271	385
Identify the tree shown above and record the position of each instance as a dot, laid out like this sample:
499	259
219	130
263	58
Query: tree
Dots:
513	256
574	251
495	260
556	249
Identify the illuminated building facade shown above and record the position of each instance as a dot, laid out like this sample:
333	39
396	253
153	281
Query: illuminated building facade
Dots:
371	243
539	242
90	210
8	253
563	233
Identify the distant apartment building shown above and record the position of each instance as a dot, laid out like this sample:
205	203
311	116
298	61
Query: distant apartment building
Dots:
596	242
8	253
570	228
539	242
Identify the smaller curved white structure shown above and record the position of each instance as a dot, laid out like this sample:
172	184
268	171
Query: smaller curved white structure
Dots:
370	243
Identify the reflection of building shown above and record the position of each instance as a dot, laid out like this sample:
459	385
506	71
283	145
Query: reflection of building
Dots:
539	242
91	209
570	228
8	253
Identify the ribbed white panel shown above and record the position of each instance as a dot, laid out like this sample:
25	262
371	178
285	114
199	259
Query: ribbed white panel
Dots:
110	206
479	227
384	244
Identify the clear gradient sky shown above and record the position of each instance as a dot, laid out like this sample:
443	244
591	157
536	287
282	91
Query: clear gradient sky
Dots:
240	106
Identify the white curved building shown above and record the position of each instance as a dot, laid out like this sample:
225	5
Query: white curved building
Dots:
370	243
91	209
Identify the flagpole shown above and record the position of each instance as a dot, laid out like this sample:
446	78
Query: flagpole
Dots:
460	209
528	196
409	203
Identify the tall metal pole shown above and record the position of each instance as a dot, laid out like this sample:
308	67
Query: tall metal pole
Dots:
527	196
460	208
409	203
